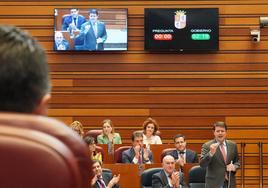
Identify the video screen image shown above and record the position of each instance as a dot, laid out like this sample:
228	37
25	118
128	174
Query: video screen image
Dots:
181	29
90	29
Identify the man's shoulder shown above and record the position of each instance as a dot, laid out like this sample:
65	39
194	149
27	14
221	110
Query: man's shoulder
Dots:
67	17
81	16
127	151
172	152
101	23
208	143
84	24
158	174
231	142
190	151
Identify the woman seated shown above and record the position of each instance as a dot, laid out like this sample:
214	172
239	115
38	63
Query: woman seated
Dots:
108	135
150	127
92	148
78	128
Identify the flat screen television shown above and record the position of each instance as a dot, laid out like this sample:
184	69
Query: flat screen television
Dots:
90	29
181	29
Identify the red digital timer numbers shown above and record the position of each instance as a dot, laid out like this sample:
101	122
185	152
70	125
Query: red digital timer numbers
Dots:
160	36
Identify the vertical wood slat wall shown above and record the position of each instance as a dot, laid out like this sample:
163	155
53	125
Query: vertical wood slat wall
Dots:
185	93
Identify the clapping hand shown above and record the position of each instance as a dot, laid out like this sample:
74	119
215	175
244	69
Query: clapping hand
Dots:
175	179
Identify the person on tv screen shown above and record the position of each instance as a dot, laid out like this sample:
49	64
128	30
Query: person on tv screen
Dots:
73	21
60	42
93	32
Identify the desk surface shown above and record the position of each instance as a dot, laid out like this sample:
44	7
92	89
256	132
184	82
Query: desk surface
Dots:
130	174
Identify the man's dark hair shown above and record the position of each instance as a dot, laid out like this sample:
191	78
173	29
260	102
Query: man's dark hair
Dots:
136	134
178	136
93	11
24	76
89	140
220	124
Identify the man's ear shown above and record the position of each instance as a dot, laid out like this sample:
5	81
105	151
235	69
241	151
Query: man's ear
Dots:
42	107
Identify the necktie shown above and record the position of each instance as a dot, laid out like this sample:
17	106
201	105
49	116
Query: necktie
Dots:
181	155
74	21
224	157
95	29
102	184
223	153
140	158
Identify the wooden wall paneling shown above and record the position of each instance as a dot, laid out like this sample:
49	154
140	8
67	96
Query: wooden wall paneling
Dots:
185	93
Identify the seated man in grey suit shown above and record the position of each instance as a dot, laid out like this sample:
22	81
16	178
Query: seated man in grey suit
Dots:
103	180
137	154
181	154
168	177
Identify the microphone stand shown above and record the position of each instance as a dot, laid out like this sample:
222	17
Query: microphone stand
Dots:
229	178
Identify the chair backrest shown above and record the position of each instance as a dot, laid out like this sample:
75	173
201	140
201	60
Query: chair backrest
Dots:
146	177
165	152
31	125
197	176
100	149
93	133
118	153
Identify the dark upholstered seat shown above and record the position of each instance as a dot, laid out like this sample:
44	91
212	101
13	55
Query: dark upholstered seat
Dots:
118	153
146	177
197	176
38	151
165	152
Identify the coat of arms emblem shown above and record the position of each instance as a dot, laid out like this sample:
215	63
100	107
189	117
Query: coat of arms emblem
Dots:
180	19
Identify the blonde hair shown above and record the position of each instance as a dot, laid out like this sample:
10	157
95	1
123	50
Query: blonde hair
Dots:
76	124
110	123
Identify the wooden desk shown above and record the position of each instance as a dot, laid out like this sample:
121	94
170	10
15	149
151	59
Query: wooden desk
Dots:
130	174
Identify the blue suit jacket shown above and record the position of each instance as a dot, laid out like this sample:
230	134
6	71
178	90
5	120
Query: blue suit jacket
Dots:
67	20
90	40
191	156
128	156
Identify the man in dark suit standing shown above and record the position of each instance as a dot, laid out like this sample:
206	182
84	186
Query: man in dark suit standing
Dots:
220	157
181	154
168	177
137	154
103	180
73	21
93	32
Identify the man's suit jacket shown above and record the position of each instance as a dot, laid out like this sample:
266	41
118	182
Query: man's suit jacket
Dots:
216	167
106	178
159	180
90	39
64	43
129	154
191	156
68	19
